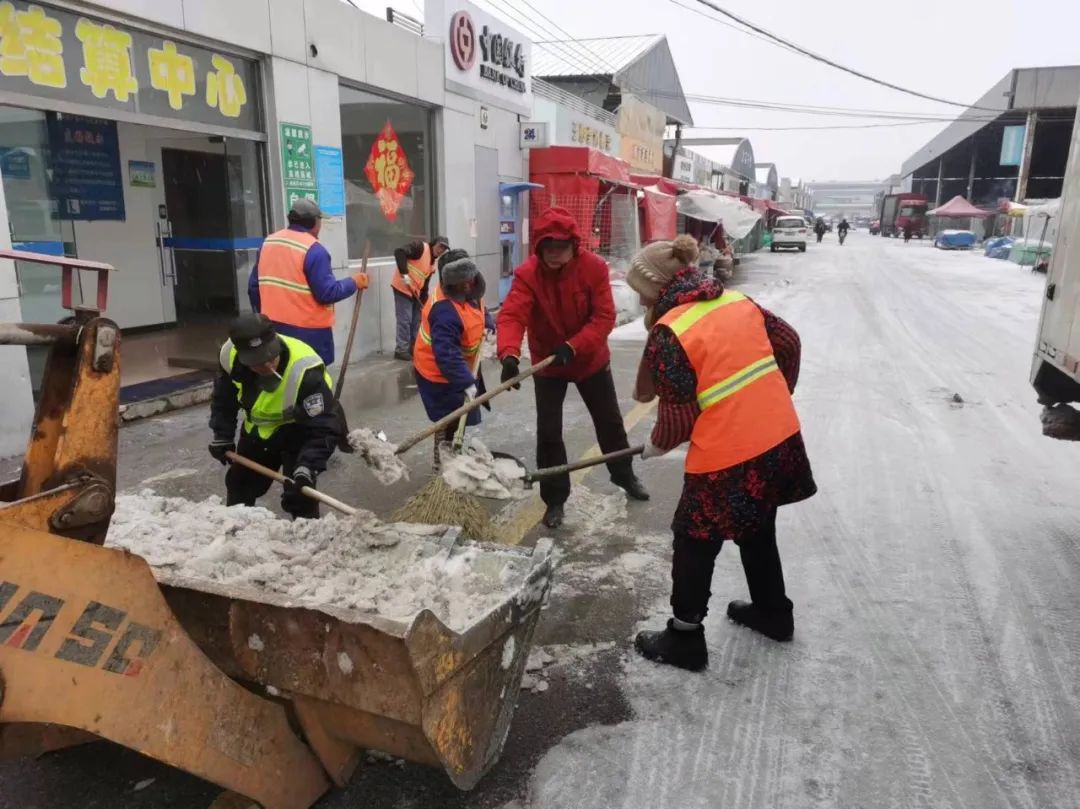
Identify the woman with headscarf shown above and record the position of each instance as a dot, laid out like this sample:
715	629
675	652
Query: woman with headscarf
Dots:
724	369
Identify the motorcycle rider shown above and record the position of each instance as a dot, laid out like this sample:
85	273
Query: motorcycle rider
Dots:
842	229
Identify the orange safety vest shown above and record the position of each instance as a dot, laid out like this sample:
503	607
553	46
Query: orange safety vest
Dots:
472	337
284	294
419	270
746	408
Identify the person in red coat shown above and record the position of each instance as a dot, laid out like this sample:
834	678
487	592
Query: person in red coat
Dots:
561	295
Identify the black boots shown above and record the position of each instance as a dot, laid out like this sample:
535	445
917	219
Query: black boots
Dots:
633	487
684	648
553	517
778	625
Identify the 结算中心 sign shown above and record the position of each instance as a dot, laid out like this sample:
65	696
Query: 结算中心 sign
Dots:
485	58
59	55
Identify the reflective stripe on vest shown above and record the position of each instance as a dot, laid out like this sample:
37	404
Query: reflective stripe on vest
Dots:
277	408
284	294
745	405
472	339
419	270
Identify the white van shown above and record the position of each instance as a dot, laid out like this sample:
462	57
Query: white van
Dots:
789	231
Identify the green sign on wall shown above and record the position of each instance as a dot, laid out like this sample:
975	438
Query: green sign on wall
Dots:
297	163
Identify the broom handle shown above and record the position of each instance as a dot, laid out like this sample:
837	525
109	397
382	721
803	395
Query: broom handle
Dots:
314	494
553	471
468	407
459	433
352	328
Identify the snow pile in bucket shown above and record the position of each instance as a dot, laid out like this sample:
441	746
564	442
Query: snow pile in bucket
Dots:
477	472
379	454
356	563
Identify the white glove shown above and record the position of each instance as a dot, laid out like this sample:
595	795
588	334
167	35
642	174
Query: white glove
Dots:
652	451
407	279
470	392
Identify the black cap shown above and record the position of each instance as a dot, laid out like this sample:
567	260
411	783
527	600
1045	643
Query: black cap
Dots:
445	242
254	338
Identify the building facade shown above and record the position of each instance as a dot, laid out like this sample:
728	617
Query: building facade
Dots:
168	138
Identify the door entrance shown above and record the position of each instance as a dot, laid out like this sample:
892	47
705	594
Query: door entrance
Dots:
196	231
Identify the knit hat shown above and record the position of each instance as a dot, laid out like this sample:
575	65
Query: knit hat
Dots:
459	271
656	264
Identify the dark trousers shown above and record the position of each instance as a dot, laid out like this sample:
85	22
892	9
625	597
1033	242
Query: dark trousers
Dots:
244	487
692	571
598	392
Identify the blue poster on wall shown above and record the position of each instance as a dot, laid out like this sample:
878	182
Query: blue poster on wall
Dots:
86	181
330	180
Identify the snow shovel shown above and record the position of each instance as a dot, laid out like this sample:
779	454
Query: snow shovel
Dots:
314	494
468	407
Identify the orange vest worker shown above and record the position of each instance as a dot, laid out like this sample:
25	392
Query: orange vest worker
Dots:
472	337
419	271
746	408
283	288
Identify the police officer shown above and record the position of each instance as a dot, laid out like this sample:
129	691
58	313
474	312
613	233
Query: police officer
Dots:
283	388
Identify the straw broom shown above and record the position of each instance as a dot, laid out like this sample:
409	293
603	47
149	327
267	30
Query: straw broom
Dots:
438	503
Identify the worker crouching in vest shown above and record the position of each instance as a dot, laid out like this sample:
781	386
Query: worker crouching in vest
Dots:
448	345
724	369
290	424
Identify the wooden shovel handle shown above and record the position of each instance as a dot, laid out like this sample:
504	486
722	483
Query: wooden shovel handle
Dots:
553	471
314	494
468	407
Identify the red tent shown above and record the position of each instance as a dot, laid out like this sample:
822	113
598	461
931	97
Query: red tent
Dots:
959	208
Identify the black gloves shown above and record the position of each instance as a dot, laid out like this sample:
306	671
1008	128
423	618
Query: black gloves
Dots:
301	477
219	446
563	354
510	370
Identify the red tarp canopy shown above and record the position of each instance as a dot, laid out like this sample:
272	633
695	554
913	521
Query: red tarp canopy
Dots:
664	184
660	216
959	208
578	160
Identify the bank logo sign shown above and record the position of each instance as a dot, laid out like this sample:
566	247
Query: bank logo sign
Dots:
485	58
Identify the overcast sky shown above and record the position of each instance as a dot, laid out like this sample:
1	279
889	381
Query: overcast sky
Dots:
956	49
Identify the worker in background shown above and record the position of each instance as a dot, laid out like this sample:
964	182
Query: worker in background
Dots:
561	295
415	263
452	327
842	229
746	455
292	282
908	229
819	228
290	422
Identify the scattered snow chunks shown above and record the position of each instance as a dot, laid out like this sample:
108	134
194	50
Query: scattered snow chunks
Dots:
141	785
344	662
255	643
380	455
357	563
477	472
508	653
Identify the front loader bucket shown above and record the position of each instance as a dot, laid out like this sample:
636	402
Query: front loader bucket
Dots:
418	690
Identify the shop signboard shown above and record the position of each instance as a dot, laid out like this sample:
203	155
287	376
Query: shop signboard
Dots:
86	182
485	58
55	54
641	126
581	131
330	180
297	163
683	169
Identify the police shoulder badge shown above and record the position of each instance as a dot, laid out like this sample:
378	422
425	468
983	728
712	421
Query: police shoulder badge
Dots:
313	404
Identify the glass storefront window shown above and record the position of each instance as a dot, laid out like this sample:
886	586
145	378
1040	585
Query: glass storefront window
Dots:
387	150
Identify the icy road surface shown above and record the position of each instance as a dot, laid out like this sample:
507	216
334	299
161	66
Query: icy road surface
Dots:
936	577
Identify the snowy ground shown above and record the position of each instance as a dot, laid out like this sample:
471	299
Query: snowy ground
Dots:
934	576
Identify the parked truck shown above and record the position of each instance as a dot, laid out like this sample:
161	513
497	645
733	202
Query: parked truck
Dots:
899	210
1055	371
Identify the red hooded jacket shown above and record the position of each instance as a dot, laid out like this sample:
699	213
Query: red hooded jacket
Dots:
573	305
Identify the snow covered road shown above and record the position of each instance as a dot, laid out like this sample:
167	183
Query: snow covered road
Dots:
936	576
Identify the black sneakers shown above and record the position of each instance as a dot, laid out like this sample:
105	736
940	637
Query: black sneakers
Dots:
683	648
633	487
553	517
778	625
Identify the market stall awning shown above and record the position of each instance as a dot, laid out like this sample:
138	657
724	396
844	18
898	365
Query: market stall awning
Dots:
959	208
737	217
578	160
661	218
